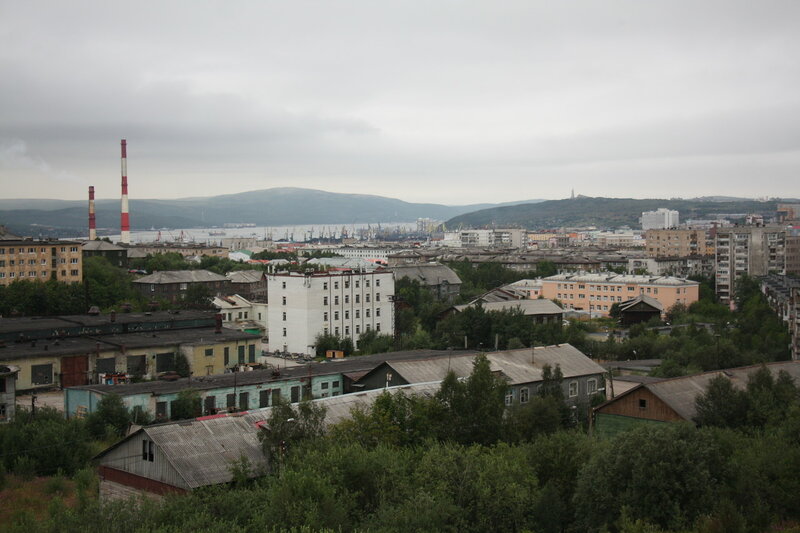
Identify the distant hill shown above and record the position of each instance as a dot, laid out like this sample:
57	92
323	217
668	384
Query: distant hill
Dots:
600	212
269	207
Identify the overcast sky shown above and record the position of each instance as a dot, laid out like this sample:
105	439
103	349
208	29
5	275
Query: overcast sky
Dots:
448	102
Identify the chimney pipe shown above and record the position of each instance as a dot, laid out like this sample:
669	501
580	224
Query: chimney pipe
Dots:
218	323
92	224
125	226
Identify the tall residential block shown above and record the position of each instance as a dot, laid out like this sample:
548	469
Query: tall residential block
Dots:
747	251
345	304
677	243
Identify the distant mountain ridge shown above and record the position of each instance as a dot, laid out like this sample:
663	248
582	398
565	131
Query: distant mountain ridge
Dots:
268	207
601	212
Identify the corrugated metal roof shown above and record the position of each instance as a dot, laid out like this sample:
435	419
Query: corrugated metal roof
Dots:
607	277
681	393
202	450
528	306
427	273
181	276
246	276
652	302
519	366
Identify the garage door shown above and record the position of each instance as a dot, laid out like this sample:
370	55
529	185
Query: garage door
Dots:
74	371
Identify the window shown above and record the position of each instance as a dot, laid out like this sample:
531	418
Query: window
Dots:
377	297
358	329
335	300
230	401
377	312
210	405
324	385
347	298
509	397
336	331
367	312
295	394
284	332
324	300
240	354
591	386
73	249
335	384
283	285
356	284
73	272
378	326
209	352
642	403
358	313
347	284
44	261
336	315
366	297
42	374
161	410
346	314
377	283
251	353
325	316
148	449
165	362
227	353
523	395
263	398
335	284
284	316
573	389
244	401
283	300
347	330
325	286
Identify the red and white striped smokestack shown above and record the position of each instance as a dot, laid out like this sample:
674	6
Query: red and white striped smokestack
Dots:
92	224
125	223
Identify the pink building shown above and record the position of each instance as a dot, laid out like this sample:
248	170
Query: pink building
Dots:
597	292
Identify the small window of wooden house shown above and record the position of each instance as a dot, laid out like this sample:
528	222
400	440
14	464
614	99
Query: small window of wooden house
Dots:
642	403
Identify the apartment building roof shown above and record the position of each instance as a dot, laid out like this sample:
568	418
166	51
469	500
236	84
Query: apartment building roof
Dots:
610	277
427	273
246	276
527	306
101	246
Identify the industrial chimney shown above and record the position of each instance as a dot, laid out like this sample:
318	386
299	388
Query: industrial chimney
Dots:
92	224
125	226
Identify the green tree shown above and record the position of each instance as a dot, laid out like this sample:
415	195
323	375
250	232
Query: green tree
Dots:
188	404
110	417
289	427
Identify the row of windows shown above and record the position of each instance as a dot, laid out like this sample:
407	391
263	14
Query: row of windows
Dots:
524	392
357	300
13	262
33	274
337	330
21	250
357	314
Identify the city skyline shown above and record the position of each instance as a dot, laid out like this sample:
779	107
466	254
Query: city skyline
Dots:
451	103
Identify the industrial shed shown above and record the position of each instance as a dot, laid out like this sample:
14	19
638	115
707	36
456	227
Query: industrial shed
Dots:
182	456
522	369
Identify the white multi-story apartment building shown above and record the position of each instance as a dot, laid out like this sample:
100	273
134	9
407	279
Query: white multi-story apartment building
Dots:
661	218
345	304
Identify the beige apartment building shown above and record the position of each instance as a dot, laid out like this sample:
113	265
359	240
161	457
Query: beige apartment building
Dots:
677	243
597	292
26	259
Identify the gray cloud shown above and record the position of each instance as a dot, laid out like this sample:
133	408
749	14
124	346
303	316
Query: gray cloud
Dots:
417	100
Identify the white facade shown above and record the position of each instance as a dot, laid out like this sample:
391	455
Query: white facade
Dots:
345	304
661	218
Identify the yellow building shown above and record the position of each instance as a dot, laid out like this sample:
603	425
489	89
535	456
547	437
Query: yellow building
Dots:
72	361
26	259
678	243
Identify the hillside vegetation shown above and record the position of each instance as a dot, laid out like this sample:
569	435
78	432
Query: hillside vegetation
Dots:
601	212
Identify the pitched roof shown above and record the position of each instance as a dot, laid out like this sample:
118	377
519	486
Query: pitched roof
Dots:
427	273
181	276
681	393
528	307
102	246
518	366
201	450
642	298
246	276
